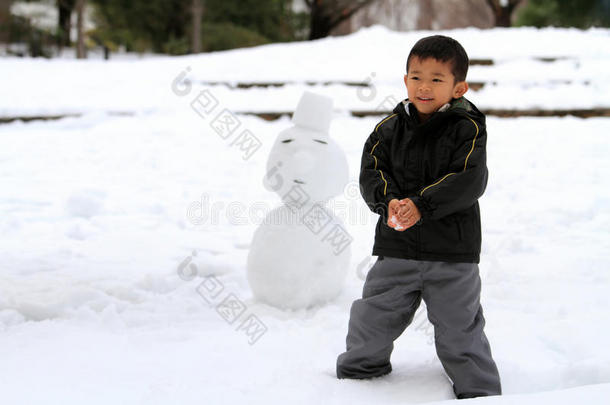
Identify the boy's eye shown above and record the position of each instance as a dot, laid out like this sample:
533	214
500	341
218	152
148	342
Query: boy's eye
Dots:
415	78
437	80
287	140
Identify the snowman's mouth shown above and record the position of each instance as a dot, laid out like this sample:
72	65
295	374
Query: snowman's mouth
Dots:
298	181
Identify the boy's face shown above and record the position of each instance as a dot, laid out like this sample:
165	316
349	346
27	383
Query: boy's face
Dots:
430	85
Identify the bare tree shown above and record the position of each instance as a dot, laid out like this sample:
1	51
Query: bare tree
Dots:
196	13
327	14
80	36
503	10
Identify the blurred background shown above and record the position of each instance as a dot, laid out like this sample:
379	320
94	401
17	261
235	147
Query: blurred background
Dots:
60	28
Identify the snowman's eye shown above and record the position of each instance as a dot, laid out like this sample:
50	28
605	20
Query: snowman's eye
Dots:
287	140
318	140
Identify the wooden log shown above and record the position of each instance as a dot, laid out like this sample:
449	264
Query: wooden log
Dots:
475	86
481	62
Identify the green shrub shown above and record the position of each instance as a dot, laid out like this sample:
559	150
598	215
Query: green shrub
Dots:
565	13
221	36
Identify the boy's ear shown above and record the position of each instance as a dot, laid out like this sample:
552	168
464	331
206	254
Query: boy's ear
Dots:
405	80
460	89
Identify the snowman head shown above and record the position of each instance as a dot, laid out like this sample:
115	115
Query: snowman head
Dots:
304	162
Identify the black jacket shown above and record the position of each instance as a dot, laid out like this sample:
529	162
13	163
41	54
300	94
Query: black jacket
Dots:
440	165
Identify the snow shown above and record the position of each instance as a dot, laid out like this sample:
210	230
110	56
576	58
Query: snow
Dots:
100	211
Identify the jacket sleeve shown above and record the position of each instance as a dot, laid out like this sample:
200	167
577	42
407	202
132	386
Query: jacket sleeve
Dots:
377	183
466	180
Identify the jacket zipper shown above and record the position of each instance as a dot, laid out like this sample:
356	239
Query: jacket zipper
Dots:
419	150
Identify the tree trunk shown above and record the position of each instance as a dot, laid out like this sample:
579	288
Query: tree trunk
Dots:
502	13
425	15
197	13
64	24
5	11
319	23
503	20
80	38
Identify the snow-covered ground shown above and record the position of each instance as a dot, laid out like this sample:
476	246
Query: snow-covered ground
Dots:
94	231
518	79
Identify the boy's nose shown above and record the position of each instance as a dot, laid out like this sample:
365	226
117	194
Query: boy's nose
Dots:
424	87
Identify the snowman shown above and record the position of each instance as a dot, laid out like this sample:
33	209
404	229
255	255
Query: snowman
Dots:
300	254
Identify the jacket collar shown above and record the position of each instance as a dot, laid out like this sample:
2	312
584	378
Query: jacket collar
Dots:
460	106
406	103
455	108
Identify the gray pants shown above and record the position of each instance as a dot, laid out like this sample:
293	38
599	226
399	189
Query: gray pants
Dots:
392	293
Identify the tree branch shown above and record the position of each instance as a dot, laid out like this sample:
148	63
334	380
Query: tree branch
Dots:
347	12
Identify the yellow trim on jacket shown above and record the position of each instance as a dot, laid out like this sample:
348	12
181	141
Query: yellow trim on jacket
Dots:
385	188
465	162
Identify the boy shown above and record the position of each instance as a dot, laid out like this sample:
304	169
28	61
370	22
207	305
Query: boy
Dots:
423	170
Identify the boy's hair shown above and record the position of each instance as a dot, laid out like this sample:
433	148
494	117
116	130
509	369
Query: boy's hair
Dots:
443	49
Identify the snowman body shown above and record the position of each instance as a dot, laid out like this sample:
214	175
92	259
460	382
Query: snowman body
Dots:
300	254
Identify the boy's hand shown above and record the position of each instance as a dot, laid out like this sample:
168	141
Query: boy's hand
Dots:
393	208
402	214
409	213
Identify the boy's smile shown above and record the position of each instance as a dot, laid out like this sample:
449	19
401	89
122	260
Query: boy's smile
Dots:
431	84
